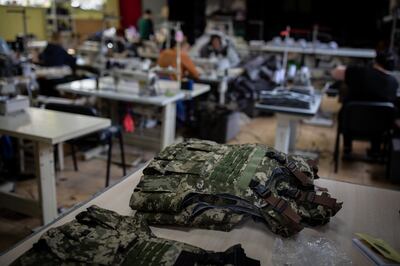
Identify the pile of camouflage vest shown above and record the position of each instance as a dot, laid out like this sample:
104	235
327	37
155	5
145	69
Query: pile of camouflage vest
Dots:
102	237
208	185
196	184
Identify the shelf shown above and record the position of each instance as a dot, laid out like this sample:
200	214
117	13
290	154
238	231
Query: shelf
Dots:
59	17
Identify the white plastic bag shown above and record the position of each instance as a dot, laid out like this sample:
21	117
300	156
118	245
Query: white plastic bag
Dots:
308	250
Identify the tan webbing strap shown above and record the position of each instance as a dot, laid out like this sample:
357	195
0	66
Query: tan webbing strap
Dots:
278	204
318	188
324	199
304	179
313	163
314	167
281	206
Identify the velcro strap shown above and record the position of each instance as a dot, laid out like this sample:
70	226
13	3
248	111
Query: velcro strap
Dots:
281	159
251	167
281	206
304	179
278	204
318	188
324	199
314	166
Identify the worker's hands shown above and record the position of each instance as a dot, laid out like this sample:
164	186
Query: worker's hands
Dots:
200	70
35	57
339	73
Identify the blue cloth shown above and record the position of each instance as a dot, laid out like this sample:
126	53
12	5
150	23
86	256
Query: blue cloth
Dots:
180	111
7	151
4	49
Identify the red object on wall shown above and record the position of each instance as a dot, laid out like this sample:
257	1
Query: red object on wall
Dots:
130	11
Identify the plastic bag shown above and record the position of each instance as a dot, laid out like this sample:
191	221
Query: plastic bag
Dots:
308	250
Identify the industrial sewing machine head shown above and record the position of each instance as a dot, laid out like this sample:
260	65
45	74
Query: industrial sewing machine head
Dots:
10	101
8	87
143	83
12	83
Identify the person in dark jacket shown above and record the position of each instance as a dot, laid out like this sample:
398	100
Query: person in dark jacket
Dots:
55	55
368	83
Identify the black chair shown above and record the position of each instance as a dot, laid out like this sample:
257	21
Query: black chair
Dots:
104	136
365	121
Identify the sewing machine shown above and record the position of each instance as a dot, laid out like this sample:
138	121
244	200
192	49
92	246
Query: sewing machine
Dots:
137	82
10	102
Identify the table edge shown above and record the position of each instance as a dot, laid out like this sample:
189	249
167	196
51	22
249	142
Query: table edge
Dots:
42	228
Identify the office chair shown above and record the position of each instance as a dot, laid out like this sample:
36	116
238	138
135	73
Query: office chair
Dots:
104	136
365	121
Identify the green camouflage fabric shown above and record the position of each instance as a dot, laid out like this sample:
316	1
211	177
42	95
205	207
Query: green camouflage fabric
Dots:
209	185
102	237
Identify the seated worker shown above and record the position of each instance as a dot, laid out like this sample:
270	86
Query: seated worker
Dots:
215	48
167	58
55	55
368	83
123	46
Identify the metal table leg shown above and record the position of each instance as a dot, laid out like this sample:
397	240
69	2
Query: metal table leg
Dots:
168	125
293	134
60	151
282	137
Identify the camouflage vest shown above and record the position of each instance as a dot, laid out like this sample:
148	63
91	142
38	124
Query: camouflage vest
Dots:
208	185
102	237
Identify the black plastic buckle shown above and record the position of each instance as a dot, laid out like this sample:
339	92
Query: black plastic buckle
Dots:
259	189
275	156
291	166
281	159
293	193
262	191
270	154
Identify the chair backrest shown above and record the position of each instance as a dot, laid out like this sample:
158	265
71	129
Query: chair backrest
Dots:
363	120
72	108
